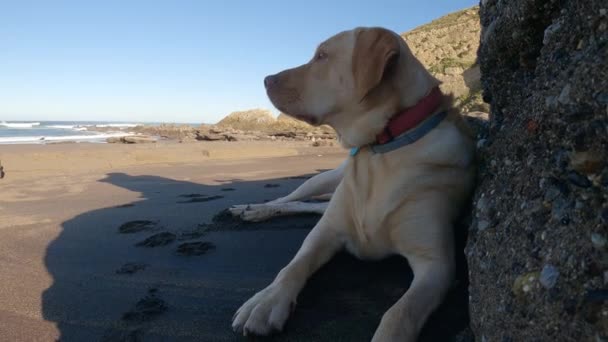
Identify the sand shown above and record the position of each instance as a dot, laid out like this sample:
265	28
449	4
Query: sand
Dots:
103	242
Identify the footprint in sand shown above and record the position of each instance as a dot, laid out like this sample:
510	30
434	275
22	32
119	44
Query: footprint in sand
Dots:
269	185
299	177
197	198
144	311
128	205
195	248
131	267
131	335
156	240
146	308
192	195
137	226
193	234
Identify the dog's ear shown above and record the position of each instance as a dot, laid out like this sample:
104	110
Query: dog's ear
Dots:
375	49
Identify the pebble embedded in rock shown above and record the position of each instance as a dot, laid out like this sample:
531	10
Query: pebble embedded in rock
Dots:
482	204
550	30
578	179
598	240
524	283
555	188
564	95
482	225
551	102
548	276
604	215
587	162
561	208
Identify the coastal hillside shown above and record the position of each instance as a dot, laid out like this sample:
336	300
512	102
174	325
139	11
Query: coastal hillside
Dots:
447	46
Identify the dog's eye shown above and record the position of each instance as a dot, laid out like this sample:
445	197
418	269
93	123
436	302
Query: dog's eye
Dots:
320	56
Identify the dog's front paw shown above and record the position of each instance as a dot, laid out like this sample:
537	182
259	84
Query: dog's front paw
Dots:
265	312
254	212
237	210
259	213
393	328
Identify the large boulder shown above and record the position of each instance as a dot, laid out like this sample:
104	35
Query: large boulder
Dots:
286	122
537	248
248	120
262	122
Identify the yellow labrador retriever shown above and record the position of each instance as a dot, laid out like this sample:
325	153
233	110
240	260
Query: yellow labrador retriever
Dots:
410	171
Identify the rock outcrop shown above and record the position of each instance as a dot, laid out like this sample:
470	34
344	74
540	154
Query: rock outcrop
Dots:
281	129
249	120
537	248
166	131
131	139
284	122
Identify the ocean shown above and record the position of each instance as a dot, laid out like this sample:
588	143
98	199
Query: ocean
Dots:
29	132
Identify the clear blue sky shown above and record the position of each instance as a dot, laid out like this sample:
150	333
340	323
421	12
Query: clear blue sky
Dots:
170	61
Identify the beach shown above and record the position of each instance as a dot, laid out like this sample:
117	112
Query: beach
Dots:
120	242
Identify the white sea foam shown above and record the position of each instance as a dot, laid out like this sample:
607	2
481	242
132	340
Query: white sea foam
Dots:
70	127
62	126
19	124
76	138
121	125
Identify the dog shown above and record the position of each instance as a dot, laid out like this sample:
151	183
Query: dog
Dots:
409	174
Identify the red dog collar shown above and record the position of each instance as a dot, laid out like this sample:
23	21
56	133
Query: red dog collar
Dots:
411	117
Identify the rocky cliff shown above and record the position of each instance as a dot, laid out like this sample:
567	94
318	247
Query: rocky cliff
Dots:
537	248
447	46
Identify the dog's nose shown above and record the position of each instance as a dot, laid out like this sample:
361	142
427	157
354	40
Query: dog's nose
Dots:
270	81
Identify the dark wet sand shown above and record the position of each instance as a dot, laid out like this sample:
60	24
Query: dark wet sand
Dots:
70	273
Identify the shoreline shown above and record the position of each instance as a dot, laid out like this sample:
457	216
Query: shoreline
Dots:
248	125
31	161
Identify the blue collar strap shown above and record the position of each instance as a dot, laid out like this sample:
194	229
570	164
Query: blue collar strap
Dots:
406	138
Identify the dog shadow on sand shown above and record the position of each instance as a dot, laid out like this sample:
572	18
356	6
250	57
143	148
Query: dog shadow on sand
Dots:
172	266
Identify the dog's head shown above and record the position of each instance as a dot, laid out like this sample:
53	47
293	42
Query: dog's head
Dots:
355	81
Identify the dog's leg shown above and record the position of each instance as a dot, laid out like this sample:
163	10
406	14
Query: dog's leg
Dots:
256	213
269	309
433	266
324	197
321	184
404	320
